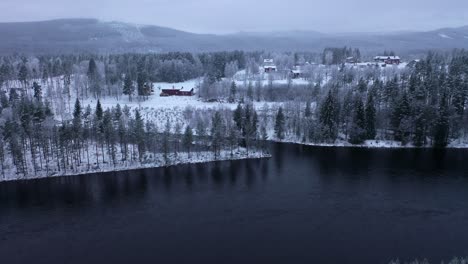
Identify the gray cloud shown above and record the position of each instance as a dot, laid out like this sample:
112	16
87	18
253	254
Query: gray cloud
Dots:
222	16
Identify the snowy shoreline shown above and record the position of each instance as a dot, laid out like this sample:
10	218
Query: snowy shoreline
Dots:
181	159
371	144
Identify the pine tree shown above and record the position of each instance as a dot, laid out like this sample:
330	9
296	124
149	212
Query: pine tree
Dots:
233	139
250	92
358	131
99	130
94	78
362	86
217	133
4	100
238	117
308	111
109	135
347	108
263	137
165	142
141	84
177	134
13	96
400	116
279	124
23	75
232	93
140	134
77	123
370	117
188	139
37	91
328	118
3	74
316	90
441	128
128	88
99	112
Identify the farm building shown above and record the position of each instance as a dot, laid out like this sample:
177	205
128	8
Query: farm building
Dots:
177	92
388	59
269	66
351	60
296	72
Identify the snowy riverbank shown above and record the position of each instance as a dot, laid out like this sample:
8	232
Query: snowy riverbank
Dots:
155	161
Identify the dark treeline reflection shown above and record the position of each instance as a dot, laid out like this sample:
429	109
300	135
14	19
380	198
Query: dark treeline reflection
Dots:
103	188
303	205
322	161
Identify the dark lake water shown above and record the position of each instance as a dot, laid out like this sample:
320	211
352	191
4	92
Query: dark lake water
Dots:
304	205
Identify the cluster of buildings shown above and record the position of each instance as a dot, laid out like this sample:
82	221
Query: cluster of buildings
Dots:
269	66
381	60
389	60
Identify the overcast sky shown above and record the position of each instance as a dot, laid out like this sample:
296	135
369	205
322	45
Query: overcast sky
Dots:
225	16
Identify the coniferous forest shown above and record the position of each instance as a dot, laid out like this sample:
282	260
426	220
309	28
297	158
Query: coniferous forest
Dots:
47	128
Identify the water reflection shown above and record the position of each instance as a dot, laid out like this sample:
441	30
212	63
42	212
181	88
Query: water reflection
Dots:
327	163
337	201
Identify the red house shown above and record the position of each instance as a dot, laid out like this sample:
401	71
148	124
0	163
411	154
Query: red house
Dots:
177	92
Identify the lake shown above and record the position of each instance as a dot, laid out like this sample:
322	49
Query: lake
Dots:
304	205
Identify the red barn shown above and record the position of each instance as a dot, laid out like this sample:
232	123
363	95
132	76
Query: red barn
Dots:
177	92
186	92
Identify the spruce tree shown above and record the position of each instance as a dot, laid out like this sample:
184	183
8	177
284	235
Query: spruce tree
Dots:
165	142
99	130
188	139
250	92
37	91
77	124
94	78
358	131
238	116
217	133
400	116
140	134
370	117
233	92
279	124
328	117
441	127
128	87
23	74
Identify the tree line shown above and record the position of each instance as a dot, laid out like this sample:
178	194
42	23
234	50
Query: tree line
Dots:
421	106
107	74
32	140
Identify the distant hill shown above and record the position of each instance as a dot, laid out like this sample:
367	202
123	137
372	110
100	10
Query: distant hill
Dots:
94	36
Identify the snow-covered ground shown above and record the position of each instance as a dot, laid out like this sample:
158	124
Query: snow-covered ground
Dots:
151	161
367	144
382	144
241	79
161	108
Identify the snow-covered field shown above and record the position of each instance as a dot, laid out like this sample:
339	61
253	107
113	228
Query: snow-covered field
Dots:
161	108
